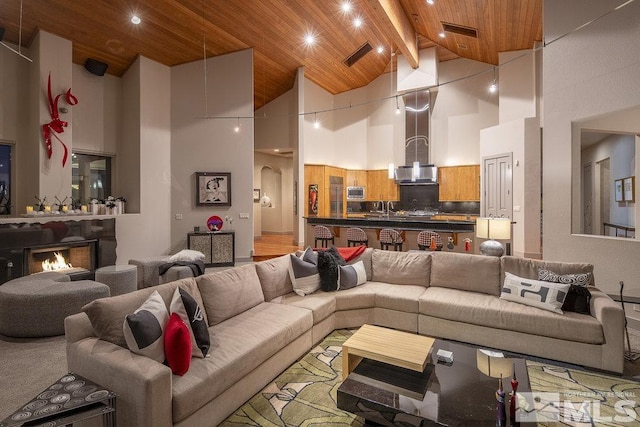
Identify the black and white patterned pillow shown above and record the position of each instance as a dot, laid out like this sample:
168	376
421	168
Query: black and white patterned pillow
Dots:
579	298
185	306
144	328
536	293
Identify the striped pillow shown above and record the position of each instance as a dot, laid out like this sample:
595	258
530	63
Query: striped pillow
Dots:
304	276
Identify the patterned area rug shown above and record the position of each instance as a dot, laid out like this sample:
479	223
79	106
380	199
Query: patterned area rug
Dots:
305	395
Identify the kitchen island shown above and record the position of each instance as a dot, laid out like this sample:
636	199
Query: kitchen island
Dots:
408	225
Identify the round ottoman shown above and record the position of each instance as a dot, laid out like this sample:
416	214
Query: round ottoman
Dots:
36	305
121	279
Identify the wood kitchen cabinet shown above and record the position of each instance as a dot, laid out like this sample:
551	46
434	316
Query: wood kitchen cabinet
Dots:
319	174
459	183
380	187
356	178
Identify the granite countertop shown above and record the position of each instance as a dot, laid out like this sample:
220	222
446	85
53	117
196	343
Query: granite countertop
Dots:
402	222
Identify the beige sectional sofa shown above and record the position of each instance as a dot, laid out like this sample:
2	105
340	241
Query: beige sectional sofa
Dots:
258	327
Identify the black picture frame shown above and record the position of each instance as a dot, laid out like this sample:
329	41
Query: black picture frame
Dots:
213	189
256	195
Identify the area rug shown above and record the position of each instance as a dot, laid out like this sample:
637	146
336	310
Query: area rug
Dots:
305	395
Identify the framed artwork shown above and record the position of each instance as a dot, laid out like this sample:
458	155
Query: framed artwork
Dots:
629	189
213	188
313	199
256	195
618	192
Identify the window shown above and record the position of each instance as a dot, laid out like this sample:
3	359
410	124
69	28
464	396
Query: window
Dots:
91	177
5	179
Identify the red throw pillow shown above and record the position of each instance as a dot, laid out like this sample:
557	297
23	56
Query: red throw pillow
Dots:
177	345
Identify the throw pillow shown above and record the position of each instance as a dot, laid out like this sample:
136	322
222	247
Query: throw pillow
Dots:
187	255
328	263
535	293
350	276
304	276
177	345
309	255
185	306
144	328
579	298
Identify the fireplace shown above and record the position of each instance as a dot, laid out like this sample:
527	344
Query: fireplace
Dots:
85	243
78	259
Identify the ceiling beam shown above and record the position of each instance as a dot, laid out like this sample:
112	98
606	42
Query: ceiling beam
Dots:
391	14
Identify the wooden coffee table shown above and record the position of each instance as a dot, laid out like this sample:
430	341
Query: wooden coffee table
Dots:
397	348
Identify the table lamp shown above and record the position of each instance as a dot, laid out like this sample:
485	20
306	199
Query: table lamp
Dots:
493	228
494	364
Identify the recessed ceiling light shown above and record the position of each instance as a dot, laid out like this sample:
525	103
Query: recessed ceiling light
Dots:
430	1
346	6
135	19
380	49
441	34
277	150
357	22
309	39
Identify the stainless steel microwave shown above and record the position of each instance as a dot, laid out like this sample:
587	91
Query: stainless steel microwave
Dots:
355	193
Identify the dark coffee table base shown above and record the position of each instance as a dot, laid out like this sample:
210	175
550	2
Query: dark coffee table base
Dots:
457	395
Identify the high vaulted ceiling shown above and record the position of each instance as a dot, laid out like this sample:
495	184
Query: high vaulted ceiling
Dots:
178	31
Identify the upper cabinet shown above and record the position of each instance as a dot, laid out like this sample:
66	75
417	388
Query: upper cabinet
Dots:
380	187
459	183
320	176
356	178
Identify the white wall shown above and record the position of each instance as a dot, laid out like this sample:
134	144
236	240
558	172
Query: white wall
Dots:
460	111
211	145
273	123
517	85
319	144
591	72
280	218
147	133
385	128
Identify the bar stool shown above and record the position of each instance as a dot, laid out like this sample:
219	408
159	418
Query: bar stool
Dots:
426	238
323	234
356	237
388	237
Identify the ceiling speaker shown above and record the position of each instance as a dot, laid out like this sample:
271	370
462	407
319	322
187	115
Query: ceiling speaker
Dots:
95	67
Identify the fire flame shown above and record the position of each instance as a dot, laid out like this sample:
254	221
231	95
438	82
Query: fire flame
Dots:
59	264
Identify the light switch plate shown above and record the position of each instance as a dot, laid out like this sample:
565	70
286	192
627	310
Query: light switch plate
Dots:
244	216
178	216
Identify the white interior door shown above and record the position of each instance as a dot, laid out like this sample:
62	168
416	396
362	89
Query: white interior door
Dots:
498	186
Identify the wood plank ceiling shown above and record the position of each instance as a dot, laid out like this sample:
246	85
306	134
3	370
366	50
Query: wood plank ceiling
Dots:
174	32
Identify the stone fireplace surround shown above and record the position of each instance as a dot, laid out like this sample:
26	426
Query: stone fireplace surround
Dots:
34	235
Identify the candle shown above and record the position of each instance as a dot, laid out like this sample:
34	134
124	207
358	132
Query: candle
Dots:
29	209
65	208
83	208
47	208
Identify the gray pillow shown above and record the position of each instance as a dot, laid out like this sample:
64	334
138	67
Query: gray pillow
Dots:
350	276
304	276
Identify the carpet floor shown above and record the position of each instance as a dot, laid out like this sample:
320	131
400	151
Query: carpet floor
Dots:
304	395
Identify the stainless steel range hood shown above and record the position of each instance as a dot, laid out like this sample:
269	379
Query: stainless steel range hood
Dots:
427	174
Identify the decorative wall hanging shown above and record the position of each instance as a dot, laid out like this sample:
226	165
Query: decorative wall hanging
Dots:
629	189
213	189
56	125
618	190
256	195
313	199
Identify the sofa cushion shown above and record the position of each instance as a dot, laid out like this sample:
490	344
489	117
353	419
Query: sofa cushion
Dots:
144	328
274	277
397	297
528	268
238	346
401	268
229	292
476	273
493	312
107	314
363	296
322	304
535	293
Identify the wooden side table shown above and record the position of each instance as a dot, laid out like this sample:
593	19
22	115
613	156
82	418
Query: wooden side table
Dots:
218	247
70	399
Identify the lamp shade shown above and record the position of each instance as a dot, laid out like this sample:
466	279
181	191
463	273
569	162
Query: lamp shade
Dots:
493	228
494	364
